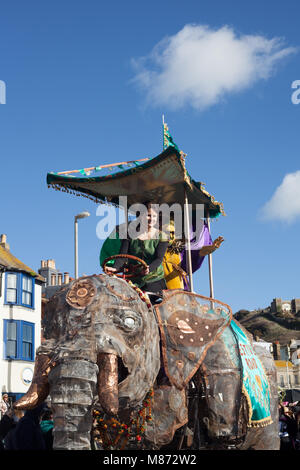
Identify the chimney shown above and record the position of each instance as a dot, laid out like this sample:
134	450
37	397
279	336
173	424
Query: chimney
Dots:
59	279
276	350
66	278
53	279
50	263
3	242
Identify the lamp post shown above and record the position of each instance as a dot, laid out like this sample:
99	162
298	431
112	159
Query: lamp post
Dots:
82	215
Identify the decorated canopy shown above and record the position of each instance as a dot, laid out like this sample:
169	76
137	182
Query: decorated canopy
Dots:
162	179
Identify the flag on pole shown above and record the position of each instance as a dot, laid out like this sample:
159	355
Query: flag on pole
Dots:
168	139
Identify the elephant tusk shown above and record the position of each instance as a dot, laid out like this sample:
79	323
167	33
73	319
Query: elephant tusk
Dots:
108	382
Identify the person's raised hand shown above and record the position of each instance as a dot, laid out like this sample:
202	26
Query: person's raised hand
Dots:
109	270
208	249
218	242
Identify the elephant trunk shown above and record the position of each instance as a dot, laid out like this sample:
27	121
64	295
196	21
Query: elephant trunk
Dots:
108	382
72	391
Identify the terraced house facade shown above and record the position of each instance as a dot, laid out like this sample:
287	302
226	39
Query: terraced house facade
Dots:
20	322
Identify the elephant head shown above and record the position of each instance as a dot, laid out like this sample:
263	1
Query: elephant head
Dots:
103	342
103	320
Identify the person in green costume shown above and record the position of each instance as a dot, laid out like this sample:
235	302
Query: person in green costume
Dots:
150	246
110	247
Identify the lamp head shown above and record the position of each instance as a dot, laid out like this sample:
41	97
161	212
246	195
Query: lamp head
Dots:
82	215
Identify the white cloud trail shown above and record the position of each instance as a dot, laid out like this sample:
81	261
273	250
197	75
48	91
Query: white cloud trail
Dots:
199	66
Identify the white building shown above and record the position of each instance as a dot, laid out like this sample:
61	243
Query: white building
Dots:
287	361
20	322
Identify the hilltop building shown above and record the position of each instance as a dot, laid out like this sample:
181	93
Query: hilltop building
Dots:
285	306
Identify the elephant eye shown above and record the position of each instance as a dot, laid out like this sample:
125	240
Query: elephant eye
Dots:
129	322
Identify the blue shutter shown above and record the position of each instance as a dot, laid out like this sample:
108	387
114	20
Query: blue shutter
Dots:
10	339
27	341
19	289
11	288
27	286
18	340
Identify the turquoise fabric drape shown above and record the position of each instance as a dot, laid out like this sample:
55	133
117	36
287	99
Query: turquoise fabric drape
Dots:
255	382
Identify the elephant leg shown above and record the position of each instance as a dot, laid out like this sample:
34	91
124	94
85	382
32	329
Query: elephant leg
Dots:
39	388
73	391
266	438
169	413
219	408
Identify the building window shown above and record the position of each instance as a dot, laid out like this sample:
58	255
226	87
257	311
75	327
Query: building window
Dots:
27	290
18	340
284	356
11	288
19	289
27	341
281	381
11	339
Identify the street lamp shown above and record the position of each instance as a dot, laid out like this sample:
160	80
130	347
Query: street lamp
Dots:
82	215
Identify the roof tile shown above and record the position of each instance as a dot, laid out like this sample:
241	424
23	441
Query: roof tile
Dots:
9	261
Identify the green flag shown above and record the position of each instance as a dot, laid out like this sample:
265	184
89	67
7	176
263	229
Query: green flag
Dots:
168	140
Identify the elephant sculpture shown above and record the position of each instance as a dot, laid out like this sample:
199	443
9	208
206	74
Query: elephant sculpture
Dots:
108	350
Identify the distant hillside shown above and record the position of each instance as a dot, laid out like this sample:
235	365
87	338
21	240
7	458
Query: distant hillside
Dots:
269	326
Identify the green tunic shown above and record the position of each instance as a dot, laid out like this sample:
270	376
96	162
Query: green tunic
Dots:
110	247
145	249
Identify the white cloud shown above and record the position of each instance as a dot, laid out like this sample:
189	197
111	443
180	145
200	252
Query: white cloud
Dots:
198	66
284	205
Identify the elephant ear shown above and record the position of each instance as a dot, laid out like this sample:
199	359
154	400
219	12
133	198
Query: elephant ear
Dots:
189	324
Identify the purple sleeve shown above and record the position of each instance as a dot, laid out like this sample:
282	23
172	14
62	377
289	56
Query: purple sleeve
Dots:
203	239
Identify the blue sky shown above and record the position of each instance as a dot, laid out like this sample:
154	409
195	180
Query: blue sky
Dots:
87	84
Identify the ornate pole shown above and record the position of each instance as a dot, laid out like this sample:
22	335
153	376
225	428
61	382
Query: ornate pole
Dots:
82	215
188	236
211	282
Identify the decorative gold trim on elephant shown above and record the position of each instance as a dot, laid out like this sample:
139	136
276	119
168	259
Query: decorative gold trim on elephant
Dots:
81	294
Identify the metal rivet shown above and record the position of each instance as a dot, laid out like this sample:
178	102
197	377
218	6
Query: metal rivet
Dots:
179	364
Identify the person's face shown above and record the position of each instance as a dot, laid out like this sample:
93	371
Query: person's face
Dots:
5	397
151	217
172	234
